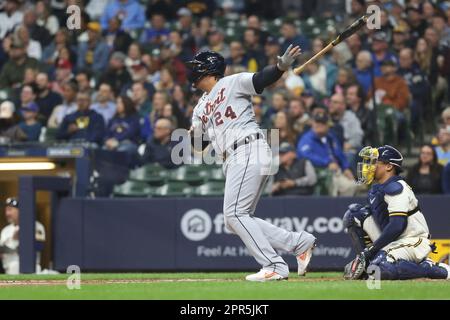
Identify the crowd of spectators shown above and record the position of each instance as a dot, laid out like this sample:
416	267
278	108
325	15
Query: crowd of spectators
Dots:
120	81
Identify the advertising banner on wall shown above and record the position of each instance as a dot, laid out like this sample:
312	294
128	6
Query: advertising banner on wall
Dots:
190	234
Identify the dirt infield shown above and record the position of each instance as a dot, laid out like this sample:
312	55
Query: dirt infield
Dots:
12	283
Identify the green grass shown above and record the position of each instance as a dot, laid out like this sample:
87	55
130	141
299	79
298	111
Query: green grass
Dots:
223	286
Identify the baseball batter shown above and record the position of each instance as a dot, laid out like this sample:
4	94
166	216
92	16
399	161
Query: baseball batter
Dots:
224	114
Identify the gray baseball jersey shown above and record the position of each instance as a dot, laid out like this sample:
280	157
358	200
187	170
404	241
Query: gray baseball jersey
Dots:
226	116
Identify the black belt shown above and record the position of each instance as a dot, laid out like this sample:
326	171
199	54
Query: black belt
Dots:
246	140
415	210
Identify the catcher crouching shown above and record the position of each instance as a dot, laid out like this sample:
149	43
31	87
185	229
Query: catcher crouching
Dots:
390	232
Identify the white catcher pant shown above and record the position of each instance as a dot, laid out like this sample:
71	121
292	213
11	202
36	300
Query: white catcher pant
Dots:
246	171
414	248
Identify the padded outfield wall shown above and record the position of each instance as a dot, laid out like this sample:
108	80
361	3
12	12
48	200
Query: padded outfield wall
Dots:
189	234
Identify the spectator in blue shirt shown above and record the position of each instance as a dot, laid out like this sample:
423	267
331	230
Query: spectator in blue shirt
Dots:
105	105
130	12
84	124
363	70
94	52
323	149
380	52
123	133
30	126
157	34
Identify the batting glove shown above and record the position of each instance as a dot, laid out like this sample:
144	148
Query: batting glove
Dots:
288	58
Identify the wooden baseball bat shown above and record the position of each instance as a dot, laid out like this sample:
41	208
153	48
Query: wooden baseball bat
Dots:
354	27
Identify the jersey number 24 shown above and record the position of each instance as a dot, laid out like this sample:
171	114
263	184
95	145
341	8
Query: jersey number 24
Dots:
229	113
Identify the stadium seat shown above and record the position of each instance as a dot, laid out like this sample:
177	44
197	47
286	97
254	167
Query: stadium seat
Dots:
153	174
216	174
49	134
210	189
135	189
174	189
192	174
324	177
386	124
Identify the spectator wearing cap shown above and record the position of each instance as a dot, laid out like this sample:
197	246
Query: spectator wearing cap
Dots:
380	52
116	74
68	106
46	98
400	38
443	147
291	36
13	71
84	124
94	52
115	37
157	34
391	89
363	70
9	238
418	86
216	42
295	176
323	149
10	17
130	12
30	125
105	105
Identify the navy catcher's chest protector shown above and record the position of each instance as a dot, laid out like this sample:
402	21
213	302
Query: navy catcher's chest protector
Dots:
378	206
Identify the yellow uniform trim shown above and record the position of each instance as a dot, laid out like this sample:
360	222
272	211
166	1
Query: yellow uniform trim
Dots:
393	214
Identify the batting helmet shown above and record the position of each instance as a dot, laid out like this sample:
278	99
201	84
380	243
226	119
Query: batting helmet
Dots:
206	63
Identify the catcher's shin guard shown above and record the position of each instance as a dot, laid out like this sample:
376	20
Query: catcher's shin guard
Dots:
353	220
405	270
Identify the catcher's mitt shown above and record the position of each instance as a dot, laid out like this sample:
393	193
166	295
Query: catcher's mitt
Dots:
356	269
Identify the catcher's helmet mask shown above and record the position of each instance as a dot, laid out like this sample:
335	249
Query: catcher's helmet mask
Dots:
204	64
